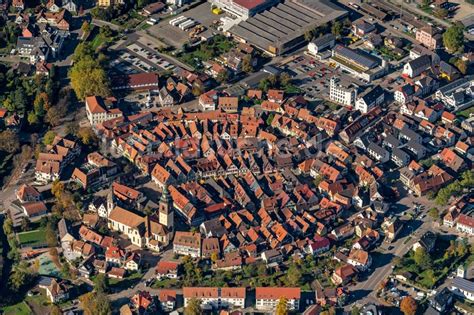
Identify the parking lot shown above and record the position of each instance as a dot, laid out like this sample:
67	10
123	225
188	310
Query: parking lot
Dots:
314	76
173	36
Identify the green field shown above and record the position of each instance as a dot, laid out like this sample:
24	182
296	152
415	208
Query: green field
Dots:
18	309
32	238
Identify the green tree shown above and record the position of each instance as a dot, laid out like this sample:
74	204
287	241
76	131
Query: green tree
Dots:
193	307
49	137
355	310
294	275
101	283
89	78
308	35
82	51
461	65
422	258
281	308
32	118
336	28
453	38
264	85
273	79
434	213
222	77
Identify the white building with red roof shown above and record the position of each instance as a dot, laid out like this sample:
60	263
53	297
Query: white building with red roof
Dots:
465	224
268	298
97	111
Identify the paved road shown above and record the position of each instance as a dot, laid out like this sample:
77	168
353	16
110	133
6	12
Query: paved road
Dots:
364	291
105	23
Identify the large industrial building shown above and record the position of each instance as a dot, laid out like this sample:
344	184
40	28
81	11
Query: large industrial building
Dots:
282	27
244	9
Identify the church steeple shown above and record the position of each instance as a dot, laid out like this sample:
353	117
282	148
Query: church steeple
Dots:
165	209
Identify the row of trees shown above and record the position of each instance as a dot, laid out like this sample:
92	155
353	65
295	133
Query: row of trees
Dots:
455	188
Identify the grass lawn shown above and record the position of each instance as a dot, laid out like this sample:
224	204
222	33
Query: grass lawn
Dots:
18	309
206	51
32	238
126	282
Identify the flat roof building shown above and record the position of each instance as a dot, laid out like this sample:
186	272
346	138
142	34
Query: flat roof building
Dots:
282	27
244	9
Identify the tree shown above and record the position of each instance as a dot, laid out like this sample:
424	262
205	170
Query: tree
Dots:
434	213
247	64
336	28
461	65
33	119
214	257
440	13
54	115
422	258
48	137
281	308
355	310
408	305
453	38
86	27
25	224
82	51
50	235
308	35
294	275
95	303
273	79
101	283
193	308
264	85
89	78
87	136
222	77
285	79
9	141
55	310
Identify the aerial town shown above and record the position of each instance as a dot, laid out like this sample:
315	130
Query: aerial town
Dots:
235	157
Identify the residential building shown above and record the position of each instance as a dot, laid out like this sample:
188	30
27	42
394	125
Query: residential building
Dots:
98	112
429	37
321	44
465	224
415	67
266	299
187	243
342	91
370	99
463	288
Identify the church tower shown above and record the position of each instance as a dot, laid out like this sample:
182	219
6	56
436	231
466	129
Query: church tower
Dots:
165	209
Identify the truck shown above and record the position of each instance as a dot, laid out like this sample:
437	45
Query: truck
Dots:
178	20
187	25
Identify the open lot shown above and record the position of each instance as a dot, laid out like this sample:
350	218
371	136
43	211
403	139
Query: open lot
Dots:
32	238
173	36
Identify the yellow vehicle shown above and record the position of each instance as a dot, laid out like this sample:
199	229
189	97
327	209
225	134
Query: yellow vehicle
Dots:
217	11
